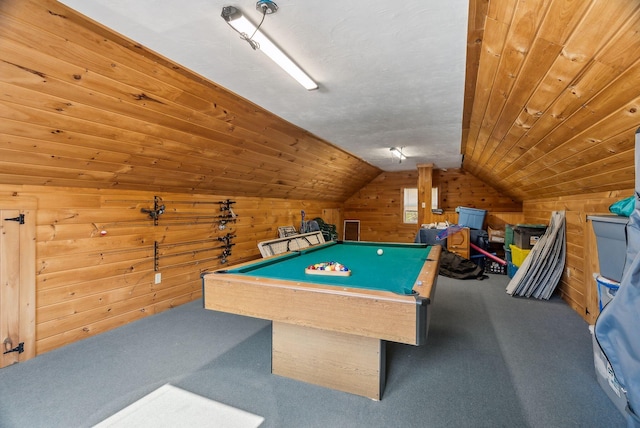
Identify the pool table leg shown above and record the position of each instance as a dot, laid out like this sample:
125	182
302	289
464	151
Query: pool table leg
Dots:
345	362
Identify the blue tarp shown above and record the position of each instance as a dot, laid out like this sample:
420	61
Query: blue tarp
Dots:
617	328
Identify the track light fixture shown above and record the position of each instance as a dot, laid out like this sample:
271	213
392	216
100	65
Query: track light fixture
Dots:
258	41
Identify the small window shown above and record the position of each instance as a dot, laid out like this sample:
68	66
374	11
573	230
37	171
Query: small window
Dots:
410	206
434	198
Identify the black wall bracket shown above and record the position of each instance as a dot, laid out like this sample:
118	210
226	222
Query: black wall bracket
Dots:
19	219
157	211
19	349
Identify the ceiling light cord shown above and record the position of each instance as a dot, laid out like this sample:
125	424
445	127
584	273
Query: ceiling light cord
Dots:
254	44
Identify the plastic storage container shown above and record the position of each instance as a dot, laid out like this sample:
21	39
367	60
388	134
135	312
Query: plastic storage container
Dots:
611	240
430	236
518	255
526	236
606	290
495	267
508	235
511	269
471	217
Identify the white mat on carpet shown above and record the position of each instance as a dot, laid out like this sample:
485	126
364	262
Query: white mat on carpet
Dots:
169	406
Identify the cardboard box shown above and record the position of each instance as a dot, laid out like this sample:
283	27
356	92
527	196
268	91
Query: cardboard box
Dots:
496	234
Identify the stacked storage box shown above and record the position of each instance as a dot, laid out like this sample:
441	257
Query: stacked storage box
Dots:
471	217
611	242
518	255
518	243
525	236
511	268
508	240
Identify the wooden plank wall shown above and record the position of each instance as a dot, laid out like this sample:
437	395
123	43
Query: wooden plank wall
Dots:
459	188
378	205
87	283
83	106
577	285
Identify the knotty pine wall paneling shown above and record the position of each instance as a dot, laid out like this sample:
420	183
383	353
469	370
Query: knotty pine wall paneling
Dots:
577	286
459	188
378	205
87	283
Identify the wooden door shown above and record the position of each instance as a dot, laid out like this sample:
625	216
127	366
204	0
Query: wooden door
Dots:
17	285
352	230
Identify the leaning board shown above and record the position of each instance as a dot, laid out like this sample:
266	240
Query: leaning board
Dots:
290	243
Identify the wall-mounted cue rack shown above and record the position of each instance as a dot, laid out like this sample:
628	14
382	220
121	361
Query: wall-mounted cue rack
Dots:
180	217
227	246
227	213
185	213
157	211
163	252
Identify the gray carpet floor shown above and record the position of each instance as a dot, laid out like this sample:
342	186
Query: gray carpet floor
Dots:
491	360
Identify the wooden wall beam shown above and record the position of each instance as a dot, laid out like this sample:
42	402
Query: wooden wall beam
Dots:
425	184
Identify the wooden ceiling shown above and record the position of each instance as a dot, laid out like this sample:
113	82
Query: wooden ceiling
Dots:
551	107
81	106
552	95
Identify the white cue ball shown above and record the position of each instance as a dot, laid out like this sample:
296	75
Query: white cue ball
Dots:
380	251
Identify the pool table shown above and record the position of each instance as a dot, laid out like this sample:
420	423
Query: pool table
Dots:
331	330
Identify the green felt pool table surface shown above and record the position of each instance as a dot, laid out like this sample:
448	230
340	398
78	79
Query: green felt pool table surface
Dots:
395	270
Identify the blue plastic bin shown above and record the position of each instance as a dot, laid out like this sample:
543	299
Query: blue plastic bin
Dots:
471	217
511	269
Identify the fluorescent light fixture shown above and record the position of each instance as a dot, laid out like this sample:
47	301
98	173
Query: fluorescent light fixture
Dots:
258	40
397	152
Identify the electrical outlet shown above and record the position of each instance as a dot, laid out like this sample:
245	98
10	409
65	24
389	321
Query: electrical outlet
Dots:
158	278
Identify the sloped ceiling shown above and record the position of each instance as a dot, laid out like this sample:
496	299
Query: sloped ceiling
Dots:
556	96
81	106
390	74
550	103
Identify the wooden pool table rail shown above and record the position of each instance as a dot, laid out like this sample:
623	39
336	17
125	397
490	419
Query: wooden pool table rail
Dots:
371	313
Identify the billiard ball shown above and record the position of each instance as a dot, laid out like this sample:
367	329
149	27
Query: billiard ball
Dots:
380	251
